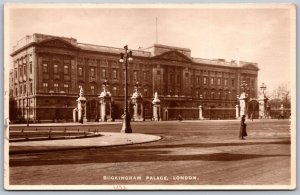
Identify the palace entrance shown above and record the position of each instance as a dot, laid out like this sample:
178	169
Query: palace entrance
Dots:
253	109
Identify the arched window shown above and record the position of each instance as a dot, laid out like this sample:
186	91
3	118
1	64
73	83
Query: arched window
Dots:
114	91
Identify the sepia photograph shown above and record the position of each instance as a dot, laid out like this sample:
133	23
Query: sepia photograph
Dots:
149	96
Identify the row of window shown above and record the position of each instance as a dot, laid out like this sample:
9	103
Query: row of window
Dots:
23	60
22	89
115	73
23	71
215	95
56	88
213	81
55	68
92	72
65	87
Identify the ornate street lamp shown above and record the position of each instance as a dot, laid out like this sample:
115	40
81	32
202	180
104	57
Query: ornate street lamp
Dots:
126	57
263	87
244	86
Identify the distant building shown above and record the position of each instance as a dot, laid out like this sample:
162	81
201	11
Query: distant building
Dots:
47	71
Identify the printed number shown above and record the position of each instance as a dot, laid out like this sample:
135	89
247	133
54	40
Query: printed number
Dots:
119	187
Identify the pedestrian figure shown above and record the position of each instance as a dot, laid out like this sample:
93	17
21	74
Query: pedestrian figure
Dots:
179	117
243	131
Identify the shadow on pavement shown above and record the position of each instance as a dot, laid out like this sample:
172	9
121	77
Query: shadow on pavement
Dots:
136	153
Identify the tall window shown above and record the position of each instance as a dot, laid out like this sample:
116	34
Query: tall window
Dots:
219	95
45	87
145	92
211	81
55	68
114	91
197	80
16	73
21	89
225	82
204	95
24	88
92	89
135	75
232	82
103	73
20	72
219	81
55	85
212	95
30	67
16	91
145	76
66	88
45	68
66	69
25	71
204	80
115	74
92	72
80	71
31	87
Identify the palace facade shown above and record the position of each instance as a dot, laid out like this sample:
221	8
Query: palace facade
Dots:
47	71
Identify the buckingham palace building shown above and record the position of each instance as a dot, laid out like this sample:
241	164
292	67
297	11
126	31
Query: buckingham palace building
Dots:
47	71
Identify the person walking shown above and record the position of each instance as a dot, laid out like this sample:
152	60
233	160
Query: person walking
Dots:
243	131
179	117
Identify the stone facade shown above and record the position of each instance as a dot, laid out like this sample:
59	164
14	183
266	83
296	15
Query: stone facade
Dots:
47	71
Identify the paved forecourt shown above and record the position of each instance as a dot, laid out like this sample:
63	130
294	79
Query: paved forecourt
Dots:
208	152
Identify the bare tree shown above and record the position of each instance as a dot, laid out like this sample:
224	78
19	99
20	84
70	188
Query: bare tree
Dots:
281	95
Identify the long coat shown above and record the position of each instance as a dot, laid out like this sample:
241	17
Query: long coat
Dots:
243	131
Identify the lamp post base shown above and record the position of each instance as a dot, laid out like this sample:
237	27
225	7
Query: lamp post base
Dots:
126	127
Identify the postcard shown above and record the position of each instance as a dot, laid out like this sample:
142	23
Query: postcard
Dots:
150	96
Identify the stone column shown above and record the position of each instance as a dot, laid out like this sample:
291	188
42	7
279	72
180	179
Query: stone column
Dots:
166	114
155	117
138	109
75	115
105	103
243	104
200	113
81	106
237	113
156	107
102	111
137	101
262	100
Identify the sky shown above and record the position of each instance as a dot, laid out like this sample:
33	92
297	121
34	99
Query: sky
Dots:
261	35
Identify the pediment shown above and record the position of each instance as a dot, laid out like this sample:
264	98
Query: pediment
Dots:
57	42
250	67
174	56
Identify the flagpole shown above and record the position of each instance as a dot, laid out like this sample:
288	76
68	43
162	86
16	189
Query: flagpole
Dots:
156	32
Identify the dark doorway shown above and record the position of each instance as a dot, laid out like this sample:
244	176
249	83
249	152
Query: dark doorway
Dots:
147	110
253	109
